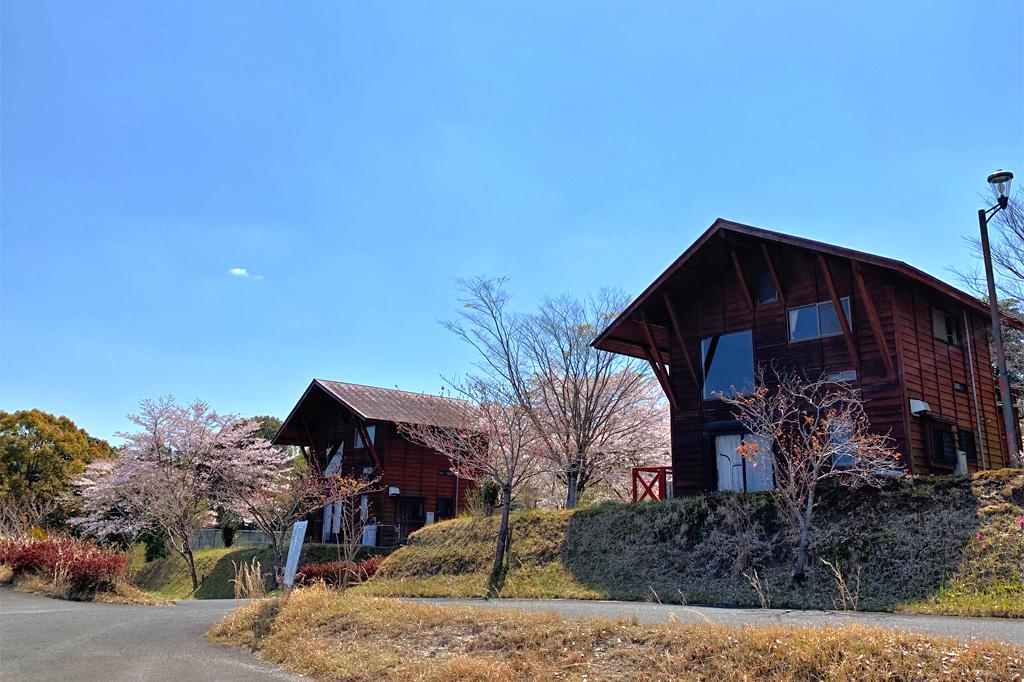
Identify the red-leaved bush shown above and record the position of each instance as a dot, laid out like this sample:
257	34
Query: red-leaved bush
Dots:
335	572
83	566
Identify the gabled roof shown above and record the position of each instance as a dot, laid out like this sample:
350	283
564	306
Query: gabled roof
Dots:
720	226
392	405
368	403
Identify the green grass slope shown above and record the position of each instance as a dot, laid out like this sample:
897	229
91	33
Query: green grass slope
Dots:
942	545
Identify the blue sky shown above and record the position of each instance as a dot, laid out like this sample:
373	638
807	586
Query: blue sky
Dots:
355	158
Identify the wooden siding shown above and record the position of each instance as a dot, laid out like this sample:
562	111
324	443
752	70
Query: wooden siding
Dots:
930	367
924	367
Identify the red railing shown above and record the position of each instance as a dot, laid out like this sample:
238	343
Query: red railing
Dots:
651	483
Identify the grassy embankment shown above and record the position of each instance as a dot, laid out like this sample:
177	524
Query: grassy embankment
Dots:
946	545
169	577
342	636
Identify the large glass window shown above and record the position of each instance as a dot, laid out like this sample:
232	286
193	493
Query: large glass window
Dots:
817	320
728	361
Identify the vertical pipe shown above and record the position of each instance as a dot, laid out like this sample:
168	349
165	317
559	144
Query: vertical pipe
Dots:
974	391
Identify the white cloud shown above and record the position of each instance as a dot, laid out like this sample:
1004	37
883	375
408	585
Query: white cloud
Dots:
238	272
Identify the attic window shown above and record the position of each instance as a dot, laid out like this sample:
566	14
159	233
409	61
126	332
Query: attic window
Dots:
945	327
766	291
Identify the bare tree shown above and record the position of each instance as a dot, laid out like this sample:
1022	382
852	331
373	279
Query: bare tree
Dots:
591	408
821	433
1007	248
494	439
595	406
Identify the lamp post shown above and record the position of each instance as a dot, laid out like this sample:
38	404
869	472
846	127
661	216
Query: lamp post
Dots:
1000	181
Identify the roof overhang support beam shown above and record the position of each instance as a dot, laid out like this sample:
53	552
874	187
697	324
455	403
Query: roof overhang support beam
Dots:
368	443
771	271
876	324
851	343
740	279
678	331
651	351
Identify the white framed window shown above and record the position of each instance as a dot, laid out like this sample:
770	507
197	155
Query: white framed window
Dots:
817	320
371	431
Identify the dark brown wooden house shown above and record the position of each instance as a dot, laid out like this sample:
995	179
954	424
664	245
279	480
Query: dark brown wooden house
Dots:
742	297
352	430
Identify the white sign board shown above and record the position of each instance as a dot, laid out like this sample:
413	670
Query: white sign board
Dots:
294	549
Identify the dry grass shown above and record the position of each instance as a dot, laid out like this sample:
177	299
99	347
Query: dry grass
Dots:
944	545
123	592
329	635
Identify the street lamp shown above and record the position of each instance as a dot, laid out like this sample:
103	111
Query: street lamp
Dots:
1000	181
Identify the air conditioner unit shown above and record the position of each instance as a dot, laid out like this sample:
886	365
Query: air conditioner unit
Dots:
919	407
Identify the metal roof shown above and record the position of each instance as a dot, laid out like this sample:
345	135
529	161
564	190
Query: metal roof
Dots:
392	405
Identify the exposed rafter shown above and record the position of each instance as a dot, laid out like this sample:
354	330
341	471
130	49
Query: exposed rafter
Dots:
653	357
368	443
771	271
844	323
876	324
741	279
678	331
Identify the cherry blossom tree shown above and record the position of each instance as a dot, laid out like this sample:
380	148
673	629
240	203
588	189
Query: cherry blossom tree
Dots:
272	488
166	475
820	433
494	439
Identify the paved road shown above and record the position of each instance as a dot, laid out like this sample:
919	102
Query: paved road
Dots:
48	639
1001	629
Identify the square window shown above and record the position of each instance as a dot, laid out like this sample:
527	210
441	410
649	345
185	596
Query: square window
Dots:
803	323
817	320
445	507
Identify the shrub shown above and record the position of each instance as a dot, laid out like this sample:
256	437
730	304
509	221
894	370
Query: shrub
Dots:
335	572
82	567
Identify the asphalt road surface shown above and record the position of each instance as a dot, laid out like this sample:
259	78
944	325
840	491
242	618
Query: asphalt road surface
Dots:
1000	629
49	639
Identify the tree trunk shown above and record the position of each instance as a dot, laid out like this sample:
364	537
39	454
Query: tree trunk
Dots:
497	577
275	545
191	560
803	546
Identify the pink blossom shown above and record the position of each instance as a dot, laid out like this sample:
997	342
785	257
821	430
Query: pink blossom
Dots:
1020	523
977	536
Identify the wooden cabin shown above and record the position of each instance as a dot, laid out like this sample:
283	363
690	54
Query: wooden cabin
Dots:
353	430
742	297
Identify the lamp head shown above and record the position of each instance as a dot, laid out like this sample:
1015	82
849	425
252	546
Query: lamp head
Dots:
1000	181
